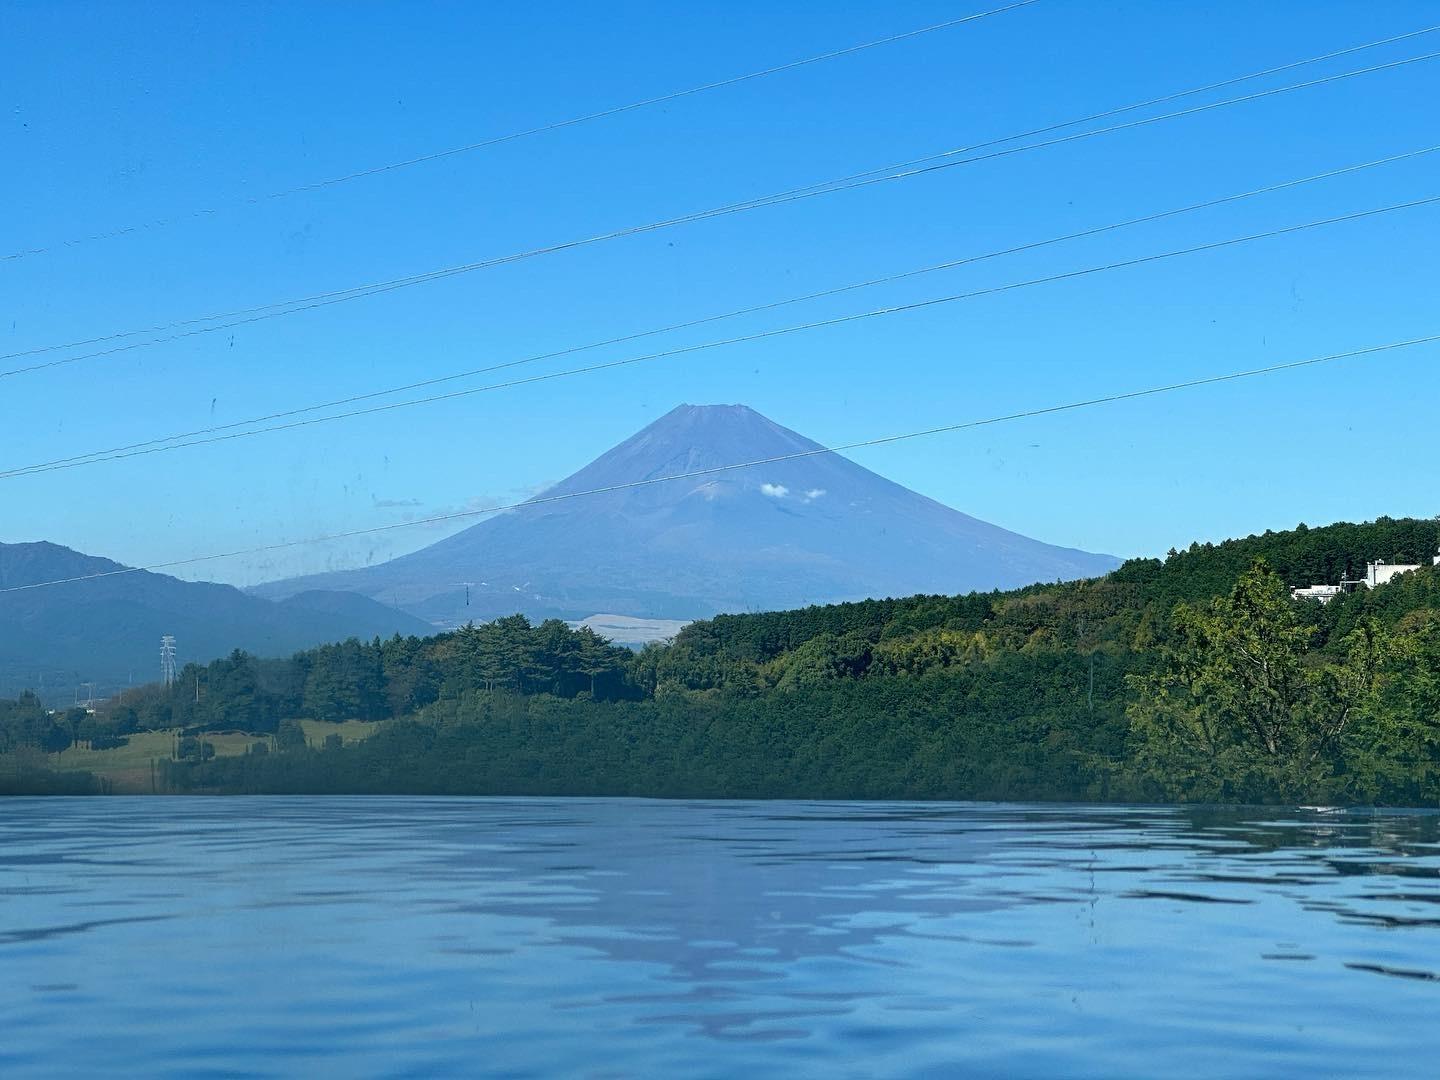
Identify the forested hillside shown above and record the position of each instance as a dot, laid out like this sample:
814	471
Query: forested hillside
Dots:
1192	677
95	632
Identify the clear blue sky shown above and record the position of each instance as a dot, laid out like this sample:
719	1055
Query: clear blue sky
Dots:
120	113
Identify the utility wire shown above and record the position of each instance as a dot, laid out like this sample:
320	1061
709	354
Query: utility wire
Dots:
902	171
744	338
609	489
497	140
847	182
103	454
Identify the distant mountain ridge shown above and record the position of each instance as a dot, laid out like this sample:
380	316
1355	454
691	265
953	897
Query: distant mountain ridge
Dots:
107	630
808	530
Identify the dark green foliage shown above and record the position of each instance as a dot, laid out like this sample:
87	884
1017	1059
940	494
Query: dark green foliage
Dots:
26	723
1241	707
22	775
374	680
195	749
1300	556
344	682
939	737
290	736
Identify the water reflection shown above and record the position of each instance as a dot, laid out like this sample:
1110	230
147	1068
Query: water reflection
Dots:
615	937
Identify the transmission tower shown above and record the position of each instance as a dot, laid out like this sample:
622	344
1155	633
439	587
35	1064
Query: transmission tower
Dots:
167	660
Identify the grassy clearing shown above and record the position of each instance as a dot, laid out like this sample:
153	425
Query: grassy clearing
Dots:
128	767
350	730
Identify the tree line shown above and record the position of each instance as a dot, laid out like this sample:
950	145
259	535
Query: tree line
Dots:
376	680
1194	677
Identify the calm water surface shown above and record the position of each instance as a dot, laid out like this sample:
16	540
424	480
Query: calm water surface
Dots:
593	937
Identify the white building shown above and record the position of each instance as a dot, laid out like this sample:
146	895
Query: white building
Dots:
1378	573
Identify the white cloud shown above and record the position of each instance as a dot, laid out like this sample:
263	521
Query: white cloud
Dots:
814	493
775	491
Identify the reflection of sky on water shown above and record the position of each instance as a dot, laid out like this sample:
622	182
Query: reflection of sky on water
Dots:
611	937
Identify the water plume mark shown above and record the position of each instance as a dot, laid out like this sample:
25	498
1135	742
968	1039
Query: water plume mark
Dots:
1399	973
14	937
1193	898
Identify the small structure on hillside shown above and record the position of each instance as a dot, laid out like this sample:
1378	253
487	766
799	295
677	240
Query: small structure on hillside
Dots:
1377	573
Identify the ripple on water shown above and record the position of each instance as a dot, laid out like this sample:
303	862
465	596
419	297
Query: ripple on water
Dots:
593	936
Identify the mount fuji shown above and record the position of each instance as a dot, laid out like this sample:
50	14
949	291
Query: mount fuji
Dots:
808	530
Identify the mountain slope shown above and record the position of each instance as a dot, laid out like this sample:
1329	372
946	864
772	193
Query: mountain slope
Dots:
814	529
108	629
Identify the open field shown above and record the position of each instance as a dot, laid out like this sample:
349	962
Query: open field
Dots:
128	767
350	730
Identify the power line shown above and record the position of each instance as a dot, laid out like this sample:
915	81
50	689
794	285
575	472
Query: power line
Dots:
741	339
906	170
110	453
844	183
609	489
542	129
